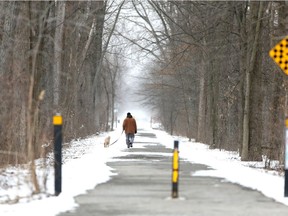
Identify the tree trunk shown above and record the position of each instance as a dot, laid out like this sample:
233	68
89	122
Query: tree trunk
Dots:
202	106
253	37
58	49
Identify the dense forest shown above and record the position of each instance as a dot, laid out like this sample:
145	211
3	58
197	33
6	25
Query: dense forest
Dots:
208	74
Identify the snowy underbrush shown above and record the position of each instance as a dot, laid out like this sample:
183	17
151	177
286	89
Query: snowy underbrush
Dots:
266	165
15	181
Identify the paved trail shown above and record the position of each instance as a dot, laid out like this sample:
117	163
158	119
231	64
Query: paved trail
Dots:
143	187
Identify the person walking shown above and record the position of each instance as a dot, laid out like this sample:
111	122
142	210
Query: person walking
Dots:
130	128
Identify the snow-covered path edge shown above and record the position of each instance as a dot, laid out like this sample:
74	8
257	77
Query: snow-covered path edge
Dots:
78	175
227	165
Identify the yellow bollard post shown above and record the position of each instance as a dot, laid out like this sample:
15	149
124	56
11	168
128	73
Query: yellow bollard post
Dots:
57	122
175	170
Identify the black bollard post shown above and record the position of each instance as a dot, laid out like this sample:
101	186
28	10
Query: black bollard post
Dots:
57	122
175	170
286	160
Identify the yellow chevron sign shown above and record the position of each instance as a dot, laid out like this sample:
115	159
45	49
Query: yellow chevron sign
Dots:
279	54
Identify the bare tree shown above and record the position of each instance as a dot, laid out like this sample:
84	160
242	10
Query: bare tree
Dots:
58	47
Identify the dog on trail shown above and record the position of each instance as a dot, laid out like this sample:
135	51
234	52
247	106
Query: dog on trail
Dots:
107	142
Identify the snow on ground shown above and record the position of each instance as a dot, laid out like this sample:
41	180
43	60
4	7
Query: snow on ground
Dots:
84	167
227	165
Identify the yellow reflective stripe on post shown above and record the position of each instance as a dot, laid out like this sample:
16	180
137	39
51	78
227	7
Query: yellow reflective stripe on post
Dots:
57	120
175	176
175	160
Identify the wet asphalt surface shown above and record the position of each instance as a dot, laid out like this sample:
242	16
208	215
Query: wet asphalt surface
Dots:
143	187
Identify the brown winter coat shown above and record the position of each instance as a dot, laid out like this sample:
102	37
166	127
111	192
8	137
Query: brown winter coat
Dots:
129	125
